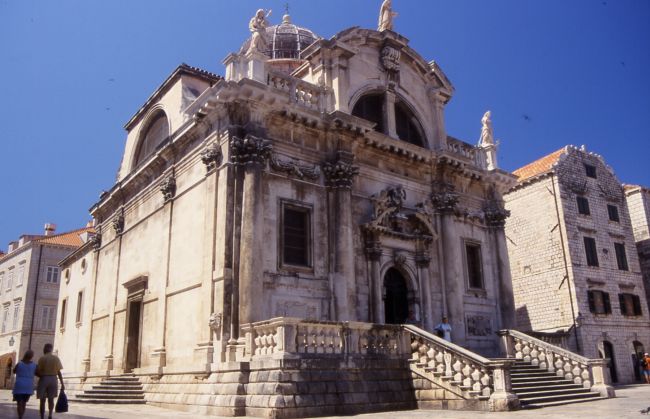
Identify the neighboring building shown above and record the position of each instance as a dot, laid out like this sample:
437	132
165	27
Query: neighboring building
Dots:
638	201
573	259
29	290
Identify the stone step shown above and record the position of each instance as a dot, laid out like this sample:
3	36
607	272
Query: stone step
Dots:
540	379
117	387
559	398
106	401
113	391
123	379
538	384
554	387
524	395
110	396
538	373
538	405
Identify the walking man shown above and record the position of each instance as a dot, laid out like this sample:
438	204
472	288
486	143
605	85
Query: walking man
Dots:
645	363
48	369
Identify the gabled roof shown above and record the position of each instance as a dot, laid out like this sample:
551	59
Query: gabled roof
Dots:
71	238
539	166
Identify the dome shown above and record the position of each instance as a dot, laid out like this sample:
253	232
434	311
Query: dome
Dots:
286	41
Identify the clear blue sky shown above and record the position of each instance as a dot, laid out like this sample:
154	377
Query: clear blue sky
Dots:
553	72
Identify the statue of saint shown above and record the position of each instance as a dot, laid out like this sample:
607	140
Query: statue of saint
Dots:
386	16
257	26
487	135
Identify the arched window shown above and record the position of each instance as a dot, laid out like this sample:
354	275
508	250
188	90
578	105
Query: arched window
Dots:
407	126
156	132
371	108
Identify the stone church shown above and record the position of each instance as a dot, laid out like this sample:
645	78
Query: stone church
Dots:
271	231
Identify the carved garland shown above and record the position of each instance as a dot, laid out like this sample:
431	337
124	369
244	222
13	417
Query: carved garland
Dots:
294	168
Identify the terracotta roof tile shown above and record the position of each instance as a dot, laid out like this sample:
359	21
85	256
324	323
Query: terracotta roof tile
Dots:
71	238
539	166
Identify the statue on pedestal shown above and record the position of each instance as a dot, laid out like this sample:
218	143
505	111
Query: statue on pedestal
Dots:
257	26
386	16
487	135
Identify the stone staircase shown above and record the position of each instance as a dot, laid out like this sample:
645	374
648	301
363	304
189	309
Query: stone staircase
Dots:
536	387
121	389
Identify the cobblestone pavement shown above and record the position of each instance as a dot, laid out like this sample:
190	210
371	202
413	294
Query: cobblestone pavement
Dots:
628	403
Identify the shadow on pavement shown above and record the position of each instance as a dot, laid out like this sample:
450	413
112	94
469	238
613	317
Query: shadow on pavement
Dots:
8	410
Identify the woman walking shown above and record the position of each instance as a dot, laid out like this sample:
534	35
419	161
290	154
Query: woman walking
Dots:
24	386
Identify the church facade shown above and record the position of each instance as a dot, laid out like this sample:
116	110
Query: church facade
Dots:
304	205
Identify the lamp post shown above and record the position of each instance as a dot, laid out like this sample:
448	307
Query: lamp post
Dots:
11	341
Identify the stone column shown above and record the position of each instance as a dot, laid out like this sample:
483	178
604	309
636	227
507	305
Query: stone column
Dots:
118	227
373	252
338	178
422	260
495	218
389	114
250	154
502	399
602	380
439	134
96	244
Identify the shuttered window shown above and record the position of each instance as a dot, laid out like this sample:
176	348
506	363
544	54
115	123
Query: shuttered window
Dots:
612	211
590	251
474	269
630	304
599	302
583	205
296	239
621	257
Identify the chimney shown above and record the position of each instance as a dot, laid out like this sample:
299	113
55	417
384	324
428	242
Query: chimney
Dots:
12	246
50	229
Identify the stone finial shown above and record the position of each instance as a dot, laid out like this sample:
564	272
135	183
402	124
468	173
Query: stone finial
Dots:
386	16
211	156
168	187
249	150
257	25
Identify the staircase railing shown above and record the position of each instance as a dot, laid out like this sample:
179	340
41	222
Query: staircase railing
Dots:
463	372
590	373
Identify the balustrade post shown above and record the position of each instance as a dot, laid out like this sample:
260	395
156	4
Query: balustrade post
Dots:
507	343
601	378
502	399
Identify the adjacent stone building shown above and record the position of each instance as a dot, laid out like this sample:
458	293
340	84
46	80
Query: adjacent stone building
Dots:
29	290
573	258
638	201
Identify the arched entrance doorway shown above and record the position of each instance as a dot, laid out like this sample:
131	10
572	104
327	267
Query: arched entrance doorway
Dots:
636	359
608	353
6	382
396	305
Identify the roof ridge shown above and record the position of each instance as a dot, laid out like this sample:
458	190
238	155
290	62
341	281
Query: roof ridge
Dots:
64	233
541	165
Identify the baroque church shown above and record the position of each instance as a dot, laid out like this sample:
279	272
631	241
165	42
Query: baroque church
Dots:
282	241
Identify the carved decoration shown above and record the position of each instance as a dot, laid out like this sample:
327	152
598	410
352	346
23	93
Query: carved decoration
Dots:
444	198
373	250
422	259
389	58
294	168
211	156
339	174
168	187
238	113
96	241
215	322
479	325
495	214
118	224
249	150
399	259
388	201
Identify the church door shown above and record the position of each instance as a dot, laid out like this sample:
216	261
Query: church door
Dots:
8	372
396	308
608	348
636	360
133	335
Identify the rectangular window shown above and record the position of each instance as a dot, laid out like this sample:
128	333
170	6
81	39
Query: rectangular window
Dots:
20	276
5	318
621	257
630	304
16	314
590	251
48	317
474	265
10	279
612	210
52	275
599	302
64	303
590	170
583	205
2	281
296	231
80	299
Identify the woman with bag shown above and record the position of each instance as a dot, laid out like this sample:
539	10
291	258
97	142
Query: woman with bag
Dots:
24	385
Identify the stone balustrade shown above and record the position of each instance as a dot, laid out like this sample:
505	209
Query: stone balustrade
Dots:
285	337
462	149
590	373
300	92
451	365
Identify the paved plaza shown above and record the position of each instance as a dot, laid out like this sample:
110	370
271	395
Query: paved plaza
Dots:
628	403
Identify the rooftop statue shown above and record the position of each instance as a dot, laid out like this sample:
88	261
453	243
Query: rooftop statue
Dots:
487	135
386	16
257	26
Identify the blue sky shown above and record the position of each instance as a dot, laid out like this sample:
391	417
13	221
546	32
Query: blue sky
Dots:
553	72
